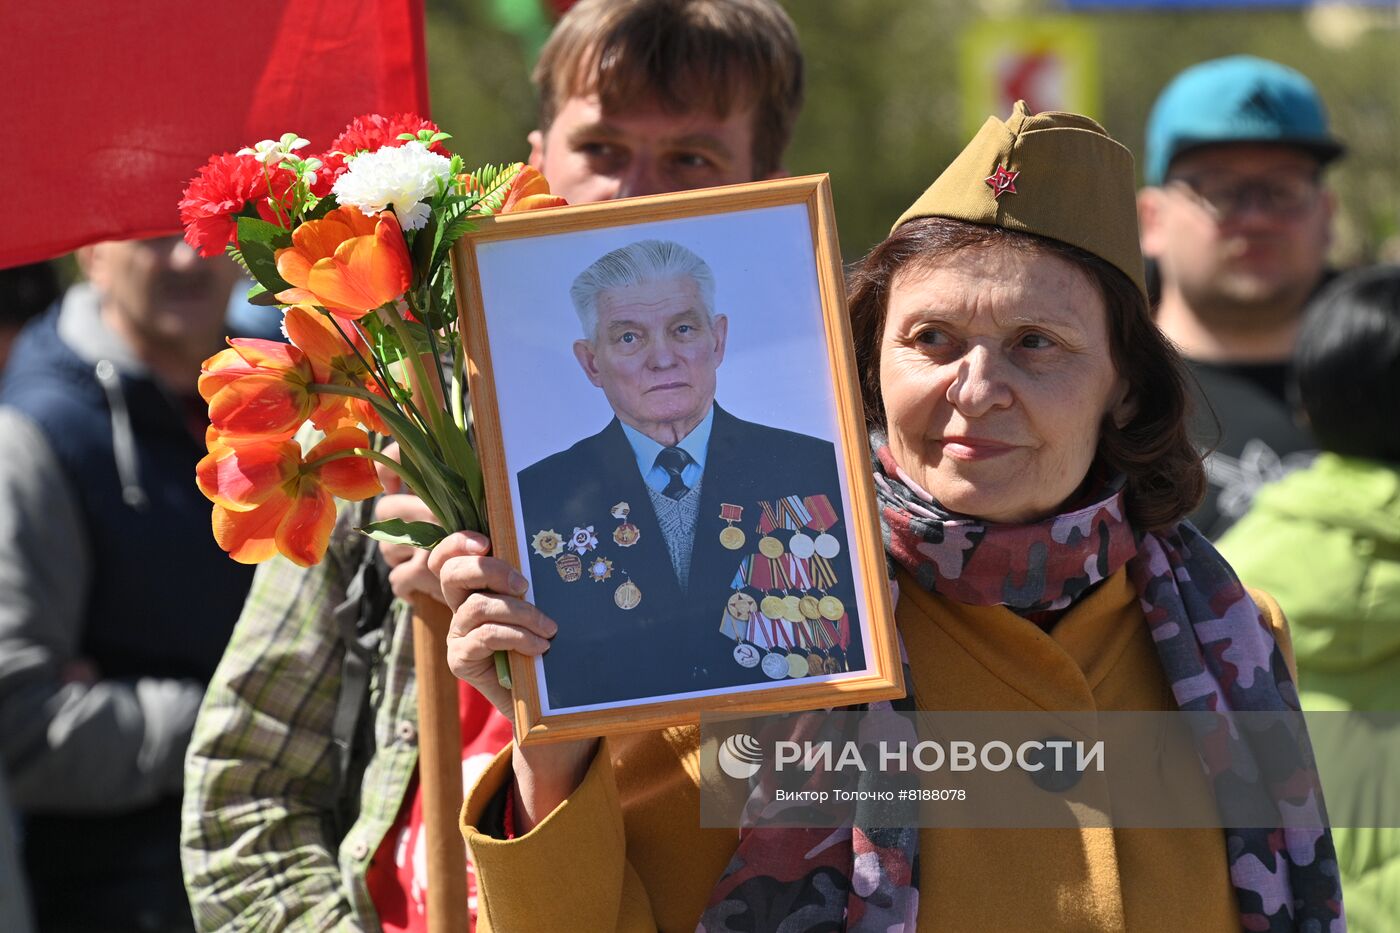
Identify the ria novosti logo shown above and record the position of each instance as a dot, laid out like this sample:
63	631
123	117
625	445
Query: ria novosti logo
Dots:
740	756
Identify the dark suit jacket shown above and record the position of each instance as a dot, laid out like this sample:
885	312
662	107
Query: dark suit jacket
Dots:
671	641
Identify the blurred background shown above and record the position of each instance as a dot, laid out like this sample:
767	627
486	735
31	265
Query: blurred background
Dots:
896	87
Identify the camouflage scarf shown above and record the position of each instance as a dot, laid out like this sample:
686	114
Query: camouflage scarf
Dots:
1217	653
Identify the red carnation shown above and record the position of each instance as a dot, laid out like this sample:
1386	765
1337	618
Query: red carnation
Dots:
225	185
374	131
366	134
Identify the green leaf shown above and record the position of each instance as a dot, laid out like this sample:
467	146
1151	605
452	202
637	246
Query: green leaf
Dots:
259	241
322	208
423	535
260	296
442	300
493	182
237	257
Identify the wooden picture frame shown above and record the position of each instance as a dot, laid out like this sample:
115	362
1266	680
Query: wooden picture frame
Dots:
785	429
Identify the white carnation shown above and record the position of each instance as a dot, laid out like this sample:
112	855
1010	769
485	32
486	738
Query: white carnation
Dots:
401	176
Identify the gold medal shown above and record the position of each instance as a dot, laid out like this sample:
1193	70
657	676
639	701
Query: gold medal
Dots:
627	595
570	568
831	608
770	547
599	569
626	534
797	665
742	607
773	607
791	609
732	538
547	543
809	608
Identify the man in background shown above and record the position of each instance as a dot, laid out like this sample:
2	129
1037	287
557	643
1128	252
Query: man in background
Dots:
115	602
1238	221
302	805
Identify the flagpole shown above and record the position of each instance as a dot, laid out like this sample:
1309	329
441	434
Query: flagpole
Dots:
440	768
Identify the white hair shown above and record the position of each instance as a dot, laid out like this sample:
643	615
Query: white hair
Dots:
637	263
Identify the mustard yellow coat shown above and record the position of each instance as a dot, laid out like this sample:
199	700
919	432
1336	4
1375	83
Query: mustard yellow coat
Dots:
625	852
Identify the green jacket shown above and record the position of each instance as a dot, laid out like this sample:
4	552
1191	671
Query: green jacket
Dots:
1325	541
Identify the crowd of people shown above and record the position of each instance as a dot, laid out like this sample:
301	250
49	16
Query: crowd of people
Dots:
189	745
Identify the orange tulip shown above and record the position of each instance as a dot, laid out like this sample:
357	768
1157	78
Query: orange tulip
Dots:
529	191
258	389
267	499
335	362
346	262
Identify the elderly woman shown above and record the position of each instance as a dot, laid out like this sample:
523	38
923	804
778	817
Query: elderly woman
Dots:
1032	465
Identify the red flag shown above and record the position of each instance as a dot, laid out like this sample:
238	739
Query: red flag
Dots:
111	108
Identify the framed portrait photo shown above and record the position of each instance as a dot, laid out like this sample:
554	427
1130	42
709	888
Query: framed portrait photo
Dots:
669	421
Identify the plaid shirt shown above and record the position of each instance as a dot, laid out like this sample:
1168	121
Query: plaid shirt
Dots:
258	843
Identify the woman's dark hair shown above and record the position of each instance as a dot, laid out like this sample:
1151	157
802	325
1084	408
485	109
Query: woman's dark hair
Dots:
1165	478
1347	364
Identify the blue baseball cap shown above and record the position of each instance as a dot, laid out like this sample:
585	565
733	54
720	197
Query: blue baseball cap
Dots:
1240	99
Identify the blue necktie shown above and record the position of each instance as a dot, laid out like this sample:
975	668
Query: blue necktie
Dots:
674	460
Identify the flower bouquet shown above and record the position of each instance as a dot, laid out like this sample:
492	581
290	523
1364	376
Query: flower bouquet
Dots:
355	245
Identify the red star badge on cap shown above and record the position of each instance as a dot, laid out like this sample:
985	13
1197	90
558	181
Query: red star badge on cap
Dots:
1002	182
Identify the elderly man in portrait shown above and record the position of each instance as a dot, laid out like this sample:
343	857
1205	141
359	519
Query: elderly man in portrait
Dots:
681	548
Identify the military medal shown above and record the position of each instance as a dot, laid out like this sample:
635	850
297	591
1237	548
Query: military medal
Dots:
775	665
823	520
831	608
738	615
599	569
739	622
742	607
583	540
627	595
796	661
792	611
773	607
570	567
810	609
773	662
731	537
626	534
770	547
746	655
547	543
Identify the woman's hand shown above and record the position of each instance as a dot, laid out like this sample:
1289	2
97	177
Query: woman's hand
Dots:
490	614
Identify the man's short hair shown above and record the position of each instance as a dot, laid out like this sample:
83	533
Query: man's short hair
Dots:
1348	365
636	264
682	55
